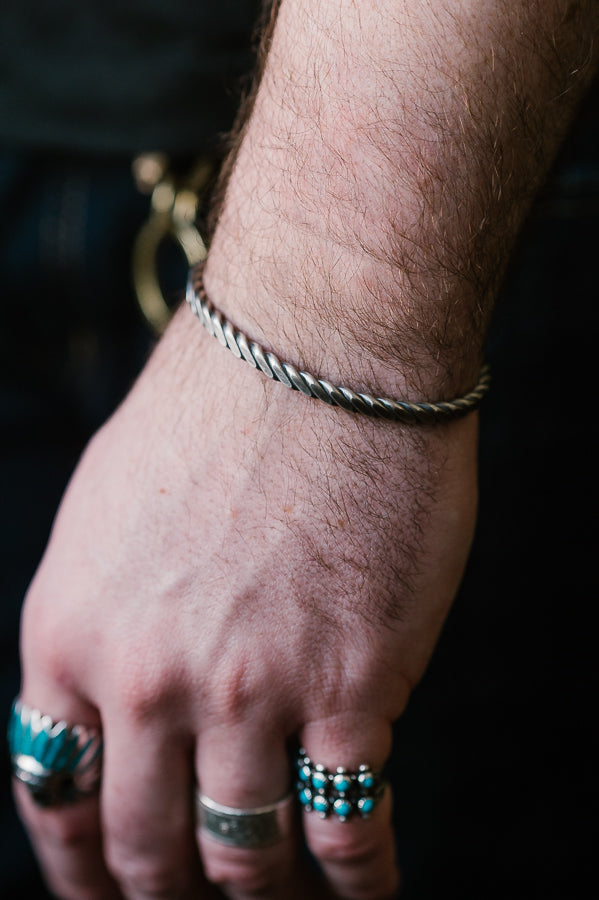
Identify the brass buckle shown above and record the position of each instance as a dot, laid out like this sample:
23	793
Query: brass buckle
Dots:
174	204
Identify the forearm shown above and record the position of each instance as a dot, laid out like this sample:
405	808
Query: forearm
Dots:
391	156
235	568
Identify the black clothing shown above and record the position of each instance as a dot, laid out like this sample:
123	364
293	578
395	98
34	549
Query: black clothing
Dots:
122	76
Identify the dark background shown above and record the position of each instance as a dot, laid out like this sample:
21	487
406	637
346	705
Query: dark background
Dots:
496	759
494	766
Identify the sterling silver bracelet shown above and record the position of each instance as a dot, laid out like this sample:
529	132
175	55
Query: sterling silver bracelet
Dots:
367	404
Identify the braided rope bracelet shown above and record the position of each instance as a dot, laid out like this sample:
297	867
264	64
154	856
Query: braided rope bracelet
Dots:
380	407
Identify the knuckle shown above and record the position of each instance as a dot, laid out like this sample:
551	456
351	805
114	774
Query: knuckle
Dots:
235	692
150	876
146	689
71	832
144	860
241	879
236	873
344	848
140	698
69	890
45	639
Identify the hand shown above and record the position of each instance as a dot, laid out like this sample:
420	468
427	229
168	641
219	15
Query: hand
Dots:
234	566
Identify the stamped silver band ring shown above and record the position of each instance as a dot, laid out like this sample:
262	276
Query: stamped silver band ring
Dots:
253	828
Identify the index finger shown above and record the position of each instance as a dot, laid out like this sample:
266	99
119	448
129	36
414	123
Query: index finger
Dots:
67	836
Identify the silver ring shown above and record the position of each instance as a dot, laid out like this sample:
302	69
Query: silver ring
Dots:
259	827
57	762
339	793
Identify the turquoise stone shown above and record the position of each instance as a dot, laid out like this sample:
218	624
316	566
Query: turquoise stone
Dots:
319	779
366	779
342	807
305	797
63	747
320	804
40	745
304	773
366	805
23	740
19	733
71	763
342	783
54	753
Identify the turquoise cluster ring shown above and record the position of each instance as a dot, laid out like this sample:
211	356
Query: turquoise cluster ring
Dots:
339	793
57	762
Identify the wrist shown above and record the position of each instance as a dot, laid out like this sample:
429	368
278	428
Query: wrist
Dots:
362	401
380	183
338	328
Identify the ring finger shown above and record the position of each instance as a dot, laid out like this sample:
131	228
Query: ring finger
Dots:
247	835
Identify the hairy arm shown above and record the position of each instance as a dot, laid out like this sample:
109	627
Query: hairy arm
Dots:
394	151
246	566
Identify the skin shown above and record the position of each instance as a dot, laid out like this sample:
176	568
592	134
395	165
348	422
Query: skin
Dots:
234	566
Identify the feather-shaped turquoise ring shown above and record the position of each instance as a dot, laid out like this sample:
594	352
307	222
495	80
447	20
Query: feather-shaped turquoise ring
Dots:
58	762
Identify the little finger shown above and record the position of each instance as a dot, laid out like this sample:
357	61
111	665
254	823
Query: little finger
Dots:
347	804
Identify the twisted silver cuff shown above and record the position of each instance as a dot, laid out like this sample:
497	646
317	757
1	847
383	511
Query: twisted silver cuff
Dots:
367	404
